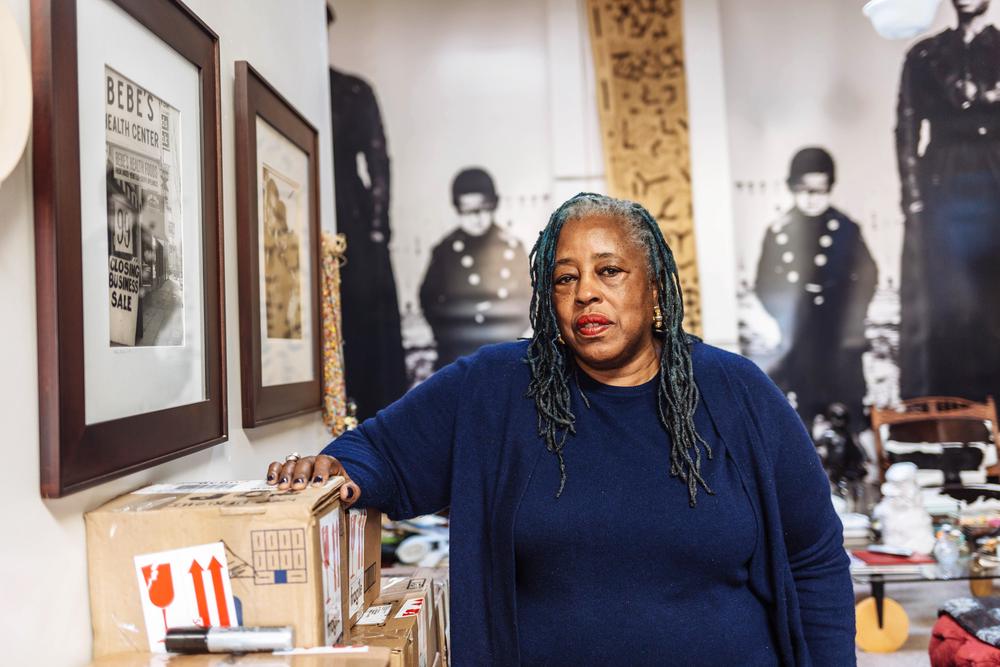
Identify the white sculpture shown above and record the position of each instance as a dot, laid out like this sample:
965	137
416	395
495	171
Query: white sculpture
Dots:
905	522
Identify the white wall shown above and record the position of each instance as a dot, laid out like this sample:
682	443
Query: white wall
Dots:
44	604
710	172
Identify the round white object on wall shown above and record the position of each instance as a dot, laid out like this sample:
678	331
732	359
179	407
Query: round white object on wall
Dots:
15	93
901	19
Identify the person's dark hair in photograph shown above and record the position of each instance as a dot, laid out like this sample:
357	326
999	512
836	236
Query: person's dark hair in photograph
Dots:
816	278
476	288
374	366
949	326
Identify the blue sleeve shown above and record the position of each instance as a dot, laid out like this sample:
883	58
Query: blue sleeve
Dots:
401	458
813	532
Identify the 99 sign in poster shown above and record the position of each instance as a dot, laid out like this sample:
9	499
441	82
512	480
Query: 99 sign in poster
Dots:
145	276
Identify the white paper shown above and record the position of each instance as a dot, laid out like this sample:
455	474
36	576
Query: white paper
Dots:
375	615
324	650
124	381
182	588
207	487
333	601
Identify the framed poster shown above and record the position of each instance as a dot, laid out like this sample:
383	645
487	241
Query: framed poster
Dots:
277	195
128	234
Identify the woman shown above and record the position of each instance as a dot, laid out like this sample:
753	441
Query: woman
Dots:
592	553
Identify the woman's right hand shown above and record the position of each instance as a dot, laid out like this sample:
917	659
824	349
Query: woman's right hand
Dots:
297	474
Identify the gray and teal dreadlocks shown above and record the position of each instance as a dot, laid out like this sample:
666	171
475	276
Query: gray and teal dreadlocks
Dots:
551	363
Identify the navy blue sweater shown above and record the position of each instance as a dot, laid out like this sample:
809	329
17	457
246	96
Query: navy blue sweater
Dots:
640	574
467	438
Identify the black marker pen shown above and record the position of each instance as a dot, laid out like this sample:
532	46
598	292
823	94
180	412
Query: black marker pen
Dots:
229	640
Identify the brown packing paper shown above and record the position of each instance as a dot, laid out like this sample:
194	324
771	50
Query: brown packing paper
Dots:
273	550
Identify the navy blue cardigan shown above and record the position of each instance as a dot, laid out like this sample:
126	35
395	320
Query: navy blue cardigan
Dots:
467	438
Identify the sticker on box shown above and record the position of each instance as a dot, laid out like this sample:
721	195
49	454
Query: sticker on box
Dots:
279	556
184	587
356	520
333	611
411	607
375	615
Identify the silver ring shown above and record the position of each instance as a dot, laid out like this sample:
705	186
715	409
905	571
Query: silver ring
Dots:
292	458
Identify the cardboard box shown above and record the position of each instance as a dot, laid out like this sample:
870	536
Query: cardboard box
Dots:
434	581
292	558
363	656
411	620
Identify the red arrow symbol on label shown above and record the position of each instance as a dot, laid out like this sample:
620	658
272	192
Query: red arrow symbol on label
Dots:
220	592
199	592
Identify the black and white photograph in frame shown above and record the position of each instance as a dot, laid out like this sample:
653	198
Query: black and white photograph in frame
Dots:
128	232
145	250
151	200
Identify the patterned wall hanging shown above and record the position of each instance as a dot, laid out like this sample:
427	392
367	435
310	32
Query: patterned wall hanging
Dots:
334	394
642	104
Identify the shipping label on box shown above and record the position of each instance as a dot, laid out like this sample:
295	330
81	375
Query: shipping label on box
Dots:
377	614
184	587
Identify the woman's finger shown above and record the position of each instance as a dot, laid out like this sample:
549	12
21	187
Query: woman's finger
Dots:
350	492
323	468
285	476
301	472
272	472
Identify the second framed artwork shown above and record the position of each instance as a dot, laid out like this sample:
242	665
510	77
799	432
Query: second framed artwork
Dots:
277	193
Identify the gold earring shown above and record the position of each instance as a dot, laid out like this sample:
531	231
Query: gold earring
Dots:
559	339
658	319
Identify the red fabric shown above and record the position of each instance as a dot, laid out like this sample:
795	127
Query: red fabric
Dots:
951	646
888	559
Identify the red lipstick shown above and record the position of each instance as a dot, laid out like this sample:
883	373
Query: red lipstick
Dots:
592	324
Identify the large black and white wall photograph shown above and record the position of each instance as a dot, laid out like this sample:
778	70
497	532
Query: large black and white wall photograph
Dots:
866	198
443	175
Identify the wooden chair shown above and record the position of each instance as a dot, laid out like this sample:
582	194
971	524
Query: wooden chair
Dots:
936	419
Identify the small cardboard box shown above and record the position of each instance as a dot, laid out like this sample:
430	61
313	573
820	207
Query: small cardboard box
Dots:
293	558
354	656
404	619
434	582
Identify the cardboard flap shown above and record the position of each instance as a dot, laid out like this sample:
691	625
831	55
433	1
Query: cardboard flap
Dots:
227	498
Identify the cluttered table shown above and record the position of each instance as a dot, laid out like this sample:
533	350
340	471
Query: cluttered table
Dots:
918	535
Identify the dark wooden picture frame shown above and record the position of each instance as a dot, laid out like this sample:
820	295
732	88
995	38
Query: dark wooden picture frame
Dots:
74	454
255	98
